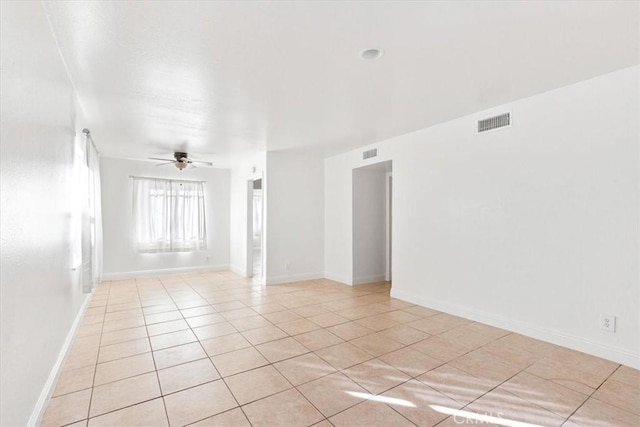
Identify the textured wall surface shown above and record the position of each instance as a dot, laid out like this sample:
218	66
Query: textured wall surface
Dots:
41	294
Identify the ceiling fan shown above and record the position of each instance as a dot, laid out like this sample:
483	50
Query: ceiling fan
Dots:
181	161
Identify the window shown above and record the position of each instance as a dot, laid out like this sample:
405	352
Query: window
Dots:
168	215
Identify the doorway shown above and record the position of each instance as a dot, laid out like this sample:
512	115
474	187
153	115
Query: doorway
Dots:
255	263
389	224
372	218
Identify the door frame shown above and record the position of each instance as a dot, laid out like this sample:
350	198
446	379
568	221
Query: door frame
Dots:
249	239
389	225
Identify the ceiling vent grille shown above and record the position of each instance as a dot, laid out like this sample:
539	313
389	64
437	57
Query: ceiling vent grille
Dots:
494	122
369	153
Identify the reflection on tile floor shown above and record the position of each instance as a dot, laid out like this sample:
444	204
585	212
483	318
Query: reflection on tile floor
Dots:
214	349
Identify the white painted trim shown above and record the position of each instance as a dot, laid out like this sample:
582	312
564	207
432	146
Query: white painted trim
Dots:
293	278
369	279
338	278
238	270
249	240
615	354
249	270
258	281
162	271
41	404
388	211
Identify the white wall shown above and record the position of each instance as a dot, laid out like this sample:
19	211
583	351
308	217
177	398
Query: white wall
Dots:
40	294
250	165
120	259
295	217
533	228
338	217
369	225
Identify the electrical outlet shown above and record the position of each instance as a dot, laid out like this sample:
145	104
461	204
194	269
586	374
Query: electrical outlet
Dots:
608	323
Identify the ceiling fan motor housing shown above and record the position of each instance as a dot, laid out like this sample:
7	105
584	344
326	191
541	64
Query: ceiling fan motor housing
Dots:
181	160
179	155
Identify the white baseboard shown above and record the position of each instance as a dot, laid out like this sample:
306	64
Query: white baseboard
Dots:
339	279
614	354
369	279
356	280
162	271
41	405
293	278
238	270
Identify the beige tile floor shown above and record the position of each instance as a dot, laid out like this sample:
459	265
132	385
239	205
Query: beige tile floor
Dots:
213	349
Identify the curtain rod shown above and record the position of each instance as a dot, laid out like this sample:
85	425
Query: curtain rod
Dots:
87	134
166	179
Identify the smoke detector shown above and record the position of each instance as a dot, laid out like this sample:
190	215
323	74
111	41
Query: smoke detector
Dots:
371	53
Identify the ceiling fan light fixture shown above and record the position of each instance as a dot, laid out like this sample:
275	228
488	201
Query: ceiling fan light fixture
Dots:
181	160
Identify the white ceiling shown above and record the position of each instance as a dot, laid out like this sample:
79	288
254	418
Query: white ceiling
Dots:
218	78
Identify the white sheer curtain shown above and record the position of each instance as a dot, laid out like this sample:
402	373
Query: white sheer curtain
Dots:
168	216
87	214
95	212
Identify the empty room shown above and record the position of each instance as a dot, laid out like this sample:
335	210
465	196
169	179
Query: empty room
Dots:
320	213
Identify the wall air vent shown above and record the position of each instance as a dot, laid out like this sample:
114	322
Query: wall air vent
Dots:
369	153
494	122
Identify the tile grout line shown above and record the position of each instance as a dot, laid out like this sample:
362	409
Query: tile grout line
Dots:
210	361
184	282
133	376
273	366
95	367
590	396
155	367
342	371
290	336
338	370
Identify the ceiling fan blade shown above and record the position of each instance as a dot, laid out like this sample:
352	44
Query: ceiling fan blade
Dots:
165	160
165	163
204	163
